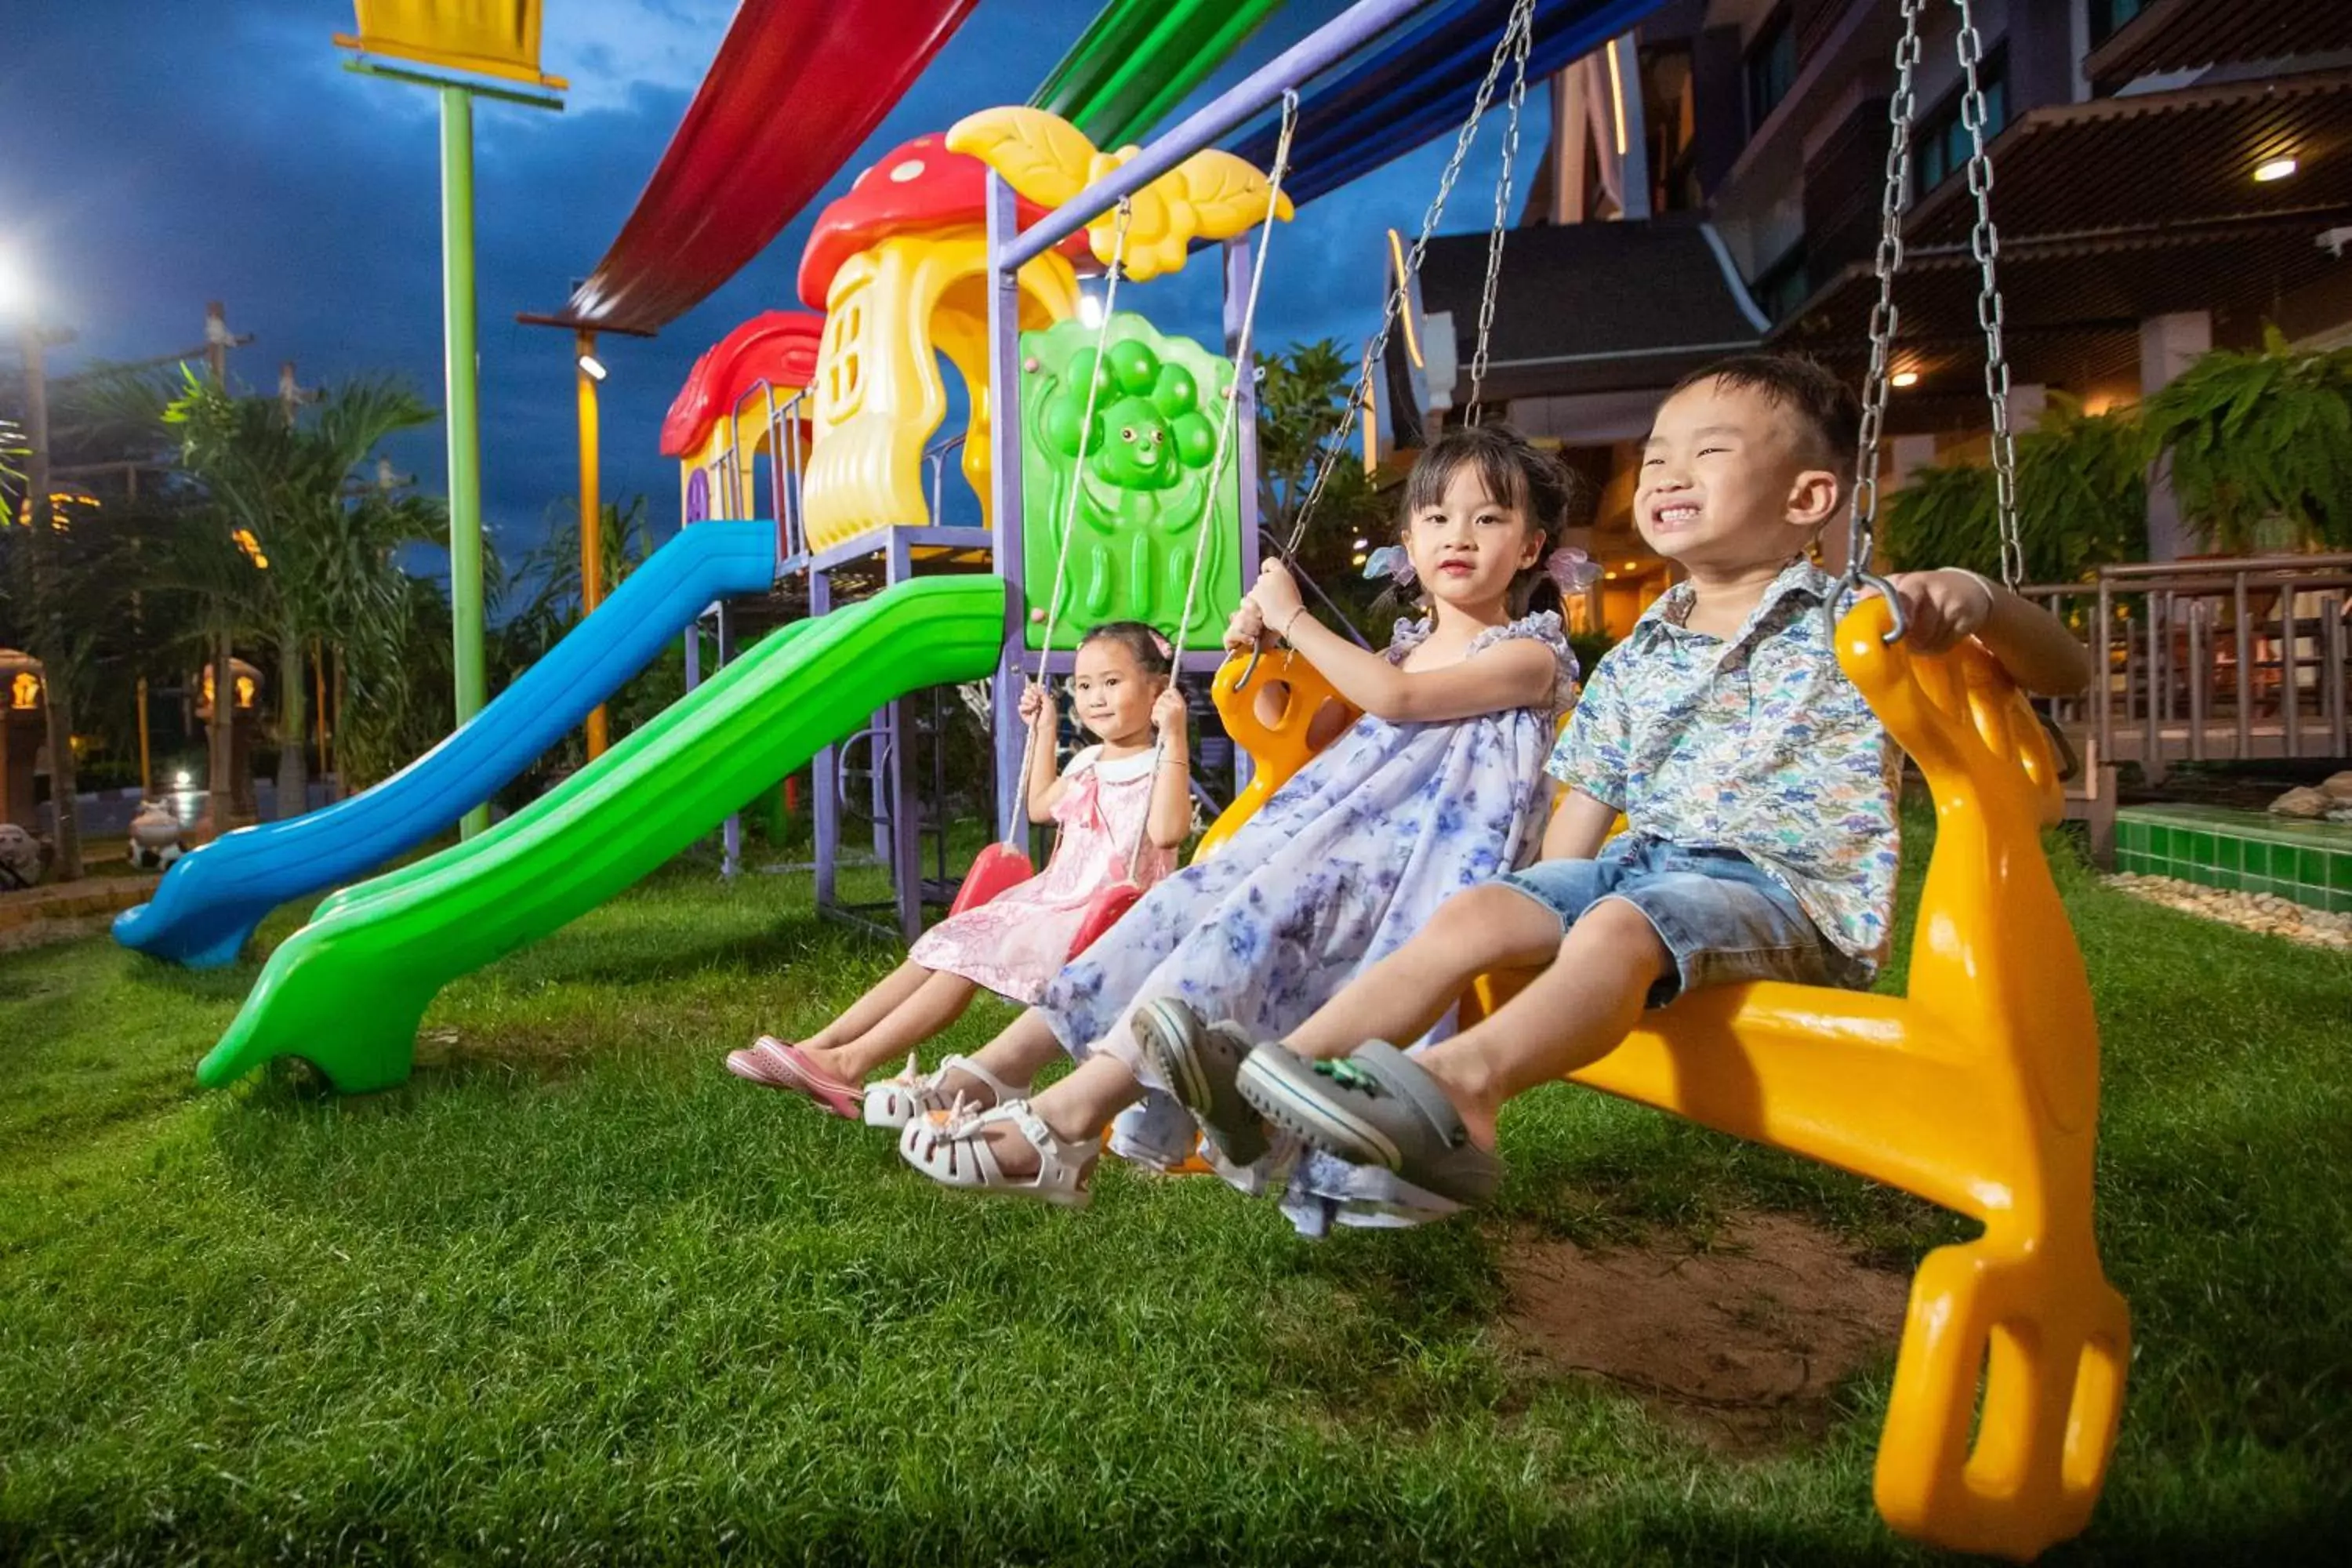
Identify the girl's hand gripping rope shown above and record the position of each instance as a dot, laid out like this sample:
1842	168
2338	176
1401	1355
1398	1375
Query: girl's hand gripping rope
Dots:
1171	717
1035	706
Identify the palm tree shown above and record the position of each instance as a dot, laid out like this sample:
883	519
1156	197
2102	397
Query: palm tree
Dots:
311	530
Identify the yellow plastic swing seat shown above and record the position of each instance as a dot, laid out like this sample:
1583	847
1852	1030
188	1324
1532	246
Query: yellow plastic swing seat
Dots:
1979	1090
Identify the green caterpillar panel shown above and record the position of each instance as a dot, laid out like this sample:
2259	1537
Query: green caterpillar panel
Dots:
1142	493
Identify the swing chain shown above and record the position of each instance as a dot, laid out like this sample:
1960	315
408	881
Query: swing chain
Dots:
1984	244
1524	24
1862	513
1522	20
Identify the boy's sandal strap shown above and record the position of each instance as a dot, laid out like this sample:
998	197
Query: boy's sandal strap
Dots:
1401	1076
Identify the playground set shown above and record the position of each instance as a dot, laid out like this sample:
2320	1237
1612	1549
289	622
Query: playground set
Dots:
1116	471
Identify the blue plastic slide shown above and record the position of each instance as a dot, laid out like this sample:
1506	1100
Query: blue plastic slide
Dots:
211	900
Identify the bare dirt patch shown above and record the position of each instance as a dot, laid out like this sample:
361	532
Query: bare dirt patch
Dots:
1743	1344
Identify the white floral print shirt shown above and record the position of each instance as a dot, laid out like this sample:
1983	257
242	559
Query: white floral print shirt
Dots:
1758	743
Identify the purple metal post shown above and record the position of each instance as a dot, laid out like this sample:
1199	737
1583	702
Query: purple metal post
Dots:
825	802
730	836
906	849
1324	47
1004	491
1245	453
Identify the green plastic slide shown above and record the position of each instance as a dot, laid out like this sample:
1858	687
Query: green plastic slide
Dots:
347	992
1138	59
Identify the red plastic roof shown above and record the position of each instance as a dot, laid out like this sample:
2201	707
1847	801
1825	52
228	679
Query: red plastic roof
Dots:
796	87
778	347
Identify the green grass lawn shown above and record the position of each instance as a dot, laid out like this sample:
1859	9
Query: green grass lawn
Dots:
574	1294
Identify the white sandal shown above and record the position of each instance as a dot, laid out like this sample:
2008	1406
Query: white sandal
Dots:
914	1094
956	1152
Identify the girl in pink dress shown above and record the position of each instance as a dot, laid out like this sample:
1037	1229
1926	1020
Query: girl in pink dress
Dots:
1122	801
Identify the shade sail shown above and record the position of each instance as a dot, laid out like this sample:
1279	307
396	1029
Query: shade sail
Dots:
1421	85
1139	57
795	89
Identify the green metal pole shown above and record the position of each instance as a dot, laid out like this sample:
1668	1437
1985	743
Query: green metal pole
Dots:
464	431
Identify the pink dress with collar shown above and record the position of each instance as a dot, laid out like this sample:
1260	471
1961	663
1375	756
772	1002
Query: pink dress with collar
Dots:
1018	941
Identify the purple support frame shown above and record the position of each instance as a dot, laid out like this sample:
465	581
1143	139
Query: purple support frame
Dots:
905	845
1009	248
1246	455
826	799
1004	495
1312	54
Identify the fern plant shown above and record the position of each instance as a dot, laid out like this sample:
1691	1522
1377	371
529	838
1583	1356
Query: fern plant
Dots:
2081	502
2260	445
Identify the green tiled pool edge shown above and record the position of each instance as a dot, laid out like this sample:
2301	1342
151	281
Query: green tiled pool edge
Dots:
2253	852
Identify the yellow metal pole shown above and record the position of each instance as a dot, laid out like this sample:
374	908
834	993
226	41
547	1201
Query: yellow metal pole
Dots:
591	517
319	703
146	767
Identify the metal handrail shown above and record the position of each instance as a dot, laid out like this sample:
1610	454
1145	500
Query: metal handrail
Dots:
2195	672
936	456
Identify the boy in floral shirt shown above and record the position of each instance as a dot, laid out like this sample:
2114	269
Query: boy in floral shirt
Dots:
1759	789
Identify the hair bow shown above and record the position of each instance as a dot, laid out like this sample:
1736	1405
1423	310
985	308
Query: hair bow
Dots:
1390	560
1571	569
1160	644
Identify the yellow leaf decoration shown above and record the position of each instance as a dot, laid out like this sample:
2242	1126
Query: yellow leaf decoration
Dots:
1227	194
1043	156
1210	195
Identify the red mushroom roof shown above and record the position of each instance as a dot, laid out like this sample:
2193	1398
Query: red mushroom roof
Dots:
775	346
918	186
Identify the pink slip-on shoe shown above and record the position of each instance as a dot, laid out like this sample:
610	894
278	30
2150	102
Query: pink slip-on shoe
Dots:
779	1064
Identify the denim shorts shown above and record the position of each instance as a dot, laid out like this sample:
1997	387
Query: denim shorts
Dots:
1721	915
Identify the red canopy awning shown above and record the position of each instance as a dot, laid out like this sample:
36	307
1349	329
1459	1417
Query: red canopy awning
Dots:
796	87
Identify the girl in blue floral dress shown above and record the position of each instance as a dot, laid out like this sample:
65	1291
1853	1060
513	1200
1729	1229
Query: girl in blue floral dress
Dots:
1438	787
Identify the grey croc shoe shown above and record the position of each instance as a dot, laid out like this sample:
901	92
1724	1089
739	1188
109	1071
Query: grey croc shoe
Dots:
1376	1107
1198	1064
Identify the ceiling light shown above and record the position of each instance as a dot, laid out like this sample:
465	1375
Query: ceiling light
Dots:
591	367
2273	169
1633	566
1905	378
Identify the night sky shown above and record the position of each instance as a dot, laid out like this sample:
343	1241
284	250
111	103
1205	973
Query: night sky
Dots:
165	152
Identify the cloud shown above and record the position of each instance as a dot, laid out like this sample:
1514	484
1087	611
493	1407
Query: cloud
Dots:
215	149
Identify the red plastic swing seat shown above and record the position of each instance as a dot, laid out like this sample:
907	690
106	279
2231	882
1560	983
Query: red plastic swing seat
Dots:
1003	866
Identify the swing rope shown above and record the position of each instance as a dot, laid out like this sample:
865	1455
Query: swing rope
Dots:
1244	364
1070	507
1517	32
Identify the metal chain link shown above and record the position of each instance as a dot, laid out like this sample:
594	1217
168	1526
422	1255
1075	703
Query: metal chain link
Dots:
1522	19
1984	244
1863	514
1502	211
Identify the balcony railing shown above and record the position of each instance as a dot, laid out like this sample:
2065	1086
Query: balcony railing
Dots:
2222	660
